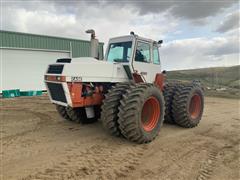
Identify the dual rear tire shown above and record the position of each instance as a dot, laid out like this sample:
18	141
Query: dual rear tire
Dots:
188	105
184	104
168	93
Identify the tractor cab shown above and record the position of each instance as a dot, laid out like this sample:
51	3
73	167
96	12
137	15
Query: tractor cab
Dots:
139	53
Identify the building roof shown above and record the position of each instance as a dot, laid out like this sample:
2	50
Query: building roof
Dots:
79	48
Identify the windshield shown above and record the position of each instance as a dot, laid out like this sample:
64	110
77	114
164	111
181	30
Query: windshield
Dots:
119	52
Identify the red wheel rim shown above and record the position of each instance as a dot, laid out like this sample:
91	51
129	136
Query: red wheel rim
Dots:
150	113
195	106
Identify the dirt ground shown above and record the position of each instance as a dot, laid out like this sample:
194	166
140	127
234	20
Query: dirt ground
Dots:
38	144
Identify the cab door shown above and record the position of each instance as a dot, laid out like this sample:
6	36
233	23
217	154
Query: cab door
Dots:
146	60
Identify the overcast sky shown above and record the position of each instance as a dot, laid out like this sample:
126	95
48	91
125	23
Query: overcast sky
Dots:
196	33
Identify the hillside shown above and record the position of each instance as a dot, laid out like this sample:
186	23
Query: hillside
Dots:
219	80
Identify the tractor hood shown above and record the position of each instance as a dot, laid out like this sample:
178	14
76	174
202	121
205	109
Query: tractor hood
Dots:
89	69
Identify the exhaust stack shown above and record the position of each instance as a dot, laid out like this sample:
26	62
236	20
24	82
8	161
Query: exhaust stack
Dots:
94	44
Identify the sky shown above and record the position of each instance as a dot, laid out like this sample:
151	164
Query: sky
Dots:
195	33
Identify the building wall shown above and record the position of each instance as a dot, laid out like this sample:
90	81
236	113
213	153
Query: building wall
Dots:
24	69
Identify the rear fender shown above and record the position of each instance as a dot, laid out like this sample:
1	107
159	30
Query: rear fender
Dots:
159	80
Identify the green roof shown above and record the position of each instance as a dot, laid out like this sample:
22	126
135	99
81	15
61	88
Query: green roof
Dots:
80	48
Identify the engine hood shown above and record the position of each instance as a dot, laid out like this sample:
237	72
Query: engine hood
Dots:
93	70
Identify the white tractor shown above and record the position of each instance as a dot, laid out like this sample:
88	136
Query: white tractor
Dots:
126	90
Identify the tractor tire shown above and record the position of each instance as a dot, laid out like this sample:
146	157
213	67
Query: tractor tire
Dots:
62	112
79	115
188	105
97	111
109	114
76	114
168	93
141	113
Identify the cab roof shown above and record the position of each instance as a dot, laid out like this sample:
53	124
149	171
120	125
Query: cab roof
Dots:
130	38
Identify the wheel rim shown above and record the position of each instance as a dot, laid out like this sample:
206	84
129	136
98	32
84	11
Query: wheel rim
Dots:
195	106
150	113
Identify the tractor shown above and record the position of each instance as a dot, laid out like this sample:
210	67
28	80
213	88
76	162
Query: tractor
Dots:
126	91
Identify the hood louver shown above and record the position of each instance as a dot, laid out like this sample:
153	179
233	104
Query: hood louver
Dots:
64	60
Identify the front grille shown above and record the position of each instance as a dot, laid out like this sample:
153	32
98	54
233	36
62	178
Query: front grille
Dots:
55	69
57	92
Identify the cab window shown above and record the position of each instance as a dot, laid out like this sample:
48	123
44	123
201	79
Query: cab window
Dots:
156	59
142	52
119	52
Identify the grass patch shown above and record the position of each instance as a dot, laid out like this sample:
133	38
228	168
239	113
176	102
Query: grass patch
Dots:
218	81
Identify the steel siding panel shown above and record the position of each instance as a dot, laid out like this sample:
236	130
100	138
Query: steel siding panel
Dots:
80	48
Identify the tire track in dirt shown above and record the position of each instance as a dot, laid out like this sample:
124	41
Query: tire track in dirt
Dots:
43	119
102	161
173	160
178	158
208	166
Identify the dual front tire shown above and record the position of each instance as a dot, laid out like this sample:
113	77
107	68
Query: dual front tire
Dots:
77	115
137	113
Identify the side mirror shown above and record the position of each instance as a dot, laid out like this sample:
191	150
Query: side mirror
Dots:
159	43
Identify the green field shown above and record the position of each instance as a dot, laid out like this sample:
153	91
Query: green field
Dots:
218	81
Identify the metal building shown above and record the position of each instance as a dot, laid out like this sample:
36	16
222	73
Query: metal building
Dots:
24	57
